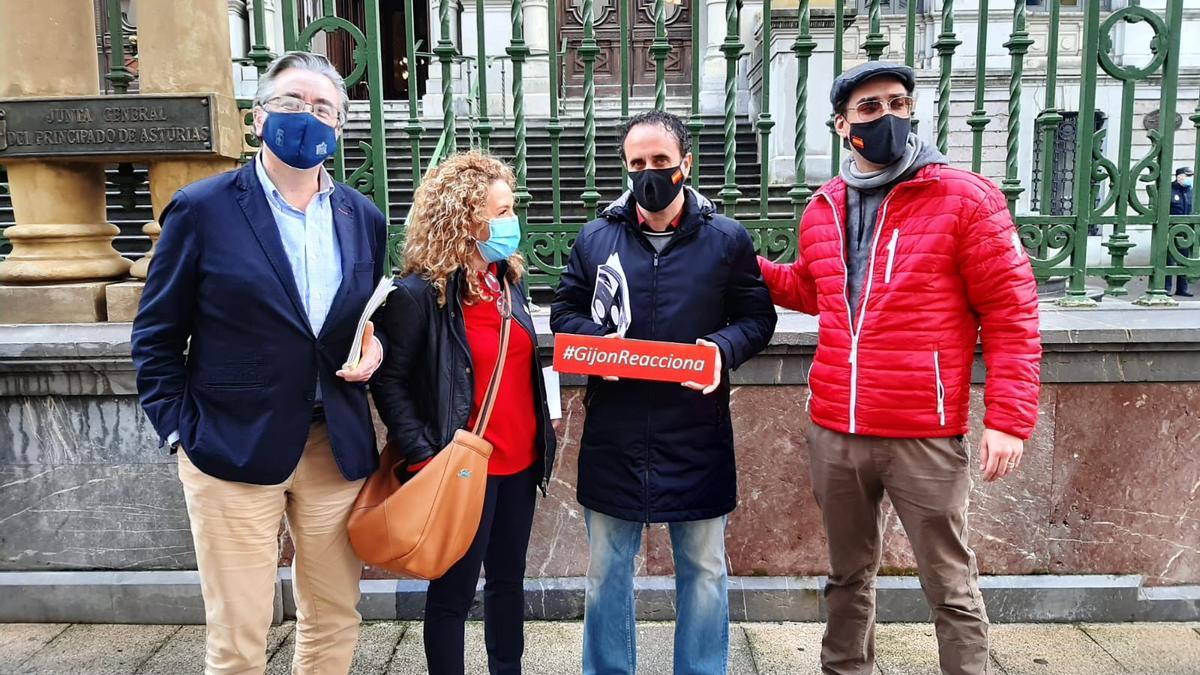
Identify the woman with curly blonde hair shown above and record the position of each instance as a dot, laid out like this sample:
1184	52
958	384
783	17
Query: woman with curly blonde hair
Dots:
462	278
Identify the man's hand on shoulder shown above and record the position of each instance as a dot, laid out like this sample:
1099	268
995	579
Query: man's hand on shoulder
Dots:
999	454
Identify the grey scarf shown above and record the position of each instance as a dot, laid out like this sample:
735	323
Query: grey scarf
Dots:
864	197
889	174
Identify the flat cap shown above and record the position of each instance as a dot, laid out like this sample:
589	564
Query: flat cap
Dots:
1183	171
850	80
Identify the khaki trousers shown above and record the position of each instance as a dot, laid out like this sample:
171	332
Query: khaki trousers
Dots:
235	527
928	481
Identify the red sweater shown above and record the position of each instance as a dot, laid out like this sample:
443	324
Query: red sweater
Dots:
513	427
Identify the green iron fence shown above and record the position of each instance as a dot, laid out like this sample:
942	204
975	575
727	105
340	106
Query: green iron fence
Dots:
4	245
1109	194
1106	196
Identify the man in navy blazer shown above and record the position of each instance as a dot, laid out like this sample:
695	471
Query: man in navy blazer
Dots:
249	310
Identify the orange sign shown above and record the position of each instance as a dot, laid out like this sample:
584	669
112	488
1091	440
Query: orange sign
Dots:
634	359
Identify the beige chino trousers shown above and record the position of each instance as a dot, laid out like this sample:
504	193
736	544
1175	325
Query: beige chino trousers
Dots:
235	527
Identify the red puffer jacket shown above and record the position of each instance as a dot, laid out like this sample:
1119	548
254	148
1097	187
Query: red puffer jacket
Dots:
946	261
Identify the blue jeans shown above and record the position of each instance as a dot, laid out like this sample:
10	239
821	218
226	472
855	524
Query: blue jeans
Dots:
702	596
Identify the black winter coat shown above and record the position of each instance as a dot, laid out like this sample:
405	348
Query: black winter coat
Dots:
425	387
654	451
1181	200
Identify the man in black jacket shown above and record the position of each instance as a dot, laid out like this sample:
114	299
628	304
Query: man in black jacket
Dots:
661	264
1181	205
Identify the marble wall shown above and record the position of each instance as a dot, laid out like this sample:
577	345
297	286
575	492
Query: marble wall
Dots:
1110	484
1100	490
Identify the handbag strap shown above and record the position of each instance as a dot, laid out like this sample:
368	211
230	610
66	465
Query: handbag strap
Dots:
493	390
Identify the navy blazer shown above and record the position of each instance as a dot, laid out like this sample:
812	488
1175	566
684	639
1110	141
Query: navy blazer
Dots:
242	396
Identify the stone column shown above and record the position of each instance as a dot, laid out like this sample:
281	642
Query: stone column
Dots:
431	103
241	37
712	74
62	242
183	48
274	21
537	68
239	28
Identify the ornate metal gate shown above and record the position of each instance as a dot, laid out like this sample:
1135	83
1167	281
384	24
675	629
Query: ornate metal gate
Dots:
1102	196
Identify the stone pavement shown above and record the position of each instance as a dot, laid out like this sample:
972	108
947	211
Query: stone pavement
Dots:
552	648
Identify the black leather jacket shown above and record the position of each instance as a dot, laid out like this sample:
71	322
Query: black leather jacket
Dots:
425	387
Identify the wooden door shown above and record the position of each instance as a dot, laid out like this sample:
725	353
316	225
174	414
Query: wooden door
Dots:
678	66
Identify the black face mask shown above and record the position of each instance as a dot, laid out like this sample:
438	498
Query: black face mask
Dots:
655	189
881	141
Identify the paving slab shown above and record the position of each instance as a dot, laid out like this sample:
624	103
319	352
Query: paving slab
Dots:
1037	649
550	647
98	649
279	661
656	649
18	642
409	657
1148	648
785	648
554	648
183	652
377	644
906	649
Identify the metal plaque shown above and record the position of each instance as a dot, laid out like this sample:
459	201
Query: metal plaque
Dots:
106	125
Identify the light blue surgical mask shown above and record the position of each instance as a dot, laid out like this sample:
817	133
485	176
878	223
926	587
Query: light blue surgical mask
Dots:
503	239
1187	182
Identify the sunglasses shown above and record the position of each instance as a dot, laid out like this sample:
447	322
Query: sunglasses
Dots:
901	106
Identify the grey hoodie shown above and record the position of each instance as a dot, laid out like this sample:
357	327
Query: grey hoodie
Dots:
864	196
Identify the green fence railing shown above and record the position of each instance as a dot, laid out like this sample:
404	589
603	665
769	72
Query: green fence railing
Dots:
1096	215
5	246
370	177
1110	195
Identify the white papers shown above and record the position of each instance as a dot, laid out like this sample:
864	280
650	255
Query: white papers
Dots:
610	299
377	299
553	392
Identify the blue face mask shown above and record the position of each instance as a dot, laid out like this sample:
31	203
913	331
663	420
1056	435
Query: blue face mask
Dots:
299	139
1187	182
503	239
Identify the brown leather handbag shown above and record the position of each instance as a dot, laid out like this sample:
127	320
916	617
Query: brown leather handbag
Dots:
420	527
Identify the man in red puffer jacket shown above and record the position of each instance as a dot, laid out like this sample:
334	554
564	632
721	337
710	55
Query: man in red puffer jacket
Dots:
907	262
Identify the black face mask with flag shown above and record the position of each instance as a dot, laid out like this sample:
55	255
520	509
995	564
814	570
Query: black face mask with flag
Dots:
655	189
881	141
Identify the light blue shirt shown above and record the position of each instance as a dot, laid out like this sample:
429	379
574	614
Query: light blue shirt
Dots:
311	245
